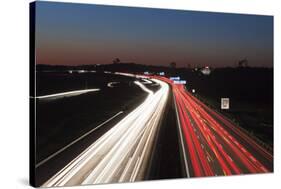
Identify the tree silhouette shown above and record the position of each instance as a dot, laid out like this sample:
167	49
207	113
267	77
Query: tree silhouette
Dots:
243	63
116	61
173	64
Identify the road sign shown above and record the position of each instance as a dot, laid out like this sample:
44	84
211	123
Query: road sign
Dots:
224	103
175	78
180	82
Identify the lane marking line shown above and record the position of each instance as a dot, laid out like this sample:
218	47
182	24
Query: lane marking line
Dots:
181	139
75	141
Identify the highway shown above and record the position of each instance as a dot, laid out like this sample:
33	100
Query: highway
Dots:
121	154
211	144
162	131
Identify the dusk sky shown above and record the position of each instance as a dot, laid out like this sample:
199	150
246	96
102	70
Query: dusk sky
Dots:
74	34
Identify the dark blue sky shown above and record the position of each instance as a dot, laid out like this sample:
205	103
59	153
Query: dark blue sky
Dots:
73	34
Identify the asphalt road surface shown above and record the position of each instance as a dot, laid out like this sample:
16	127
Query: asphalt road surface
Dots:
163	132
69	121
122	153
212	144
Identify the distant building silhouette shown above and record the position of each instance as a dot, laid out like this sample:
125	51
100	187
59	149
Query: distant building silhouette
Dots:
116	61
173	64
243	63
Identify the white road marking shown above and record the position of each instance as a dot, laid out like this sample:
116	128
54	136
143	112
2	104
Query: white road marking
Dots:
66	94
182	141
76	140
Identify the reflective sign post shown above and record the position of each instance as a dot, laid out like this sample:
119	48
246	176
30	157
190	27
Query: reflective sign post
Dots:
224	103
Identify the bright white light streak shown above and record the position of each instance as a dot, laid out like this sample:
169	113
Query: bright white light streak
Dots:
125	74
111	84
82	71
66	94
76	140
142	77
147	81
132	75
122	153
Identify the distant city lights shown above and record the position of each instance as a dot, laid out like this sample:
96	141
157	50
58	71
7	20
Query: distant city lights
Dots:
146	73
81	71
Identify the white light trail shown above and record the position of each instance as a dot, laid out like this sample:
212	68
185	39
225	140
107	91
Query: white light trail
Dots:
66	94
125	74
146	81
76	140
122	153
111	84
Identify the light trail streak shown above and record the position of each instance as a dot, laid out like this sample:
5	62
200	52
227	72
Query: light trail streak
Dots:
210	144
146	81
66	94
243	156
234	128
122	153
111	84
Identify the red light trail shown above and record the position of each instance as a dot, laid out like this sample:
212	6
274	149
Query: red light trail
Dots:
211	140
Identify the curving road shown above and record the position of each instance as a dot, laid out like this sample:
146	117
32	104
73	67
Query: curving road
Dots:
122	153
